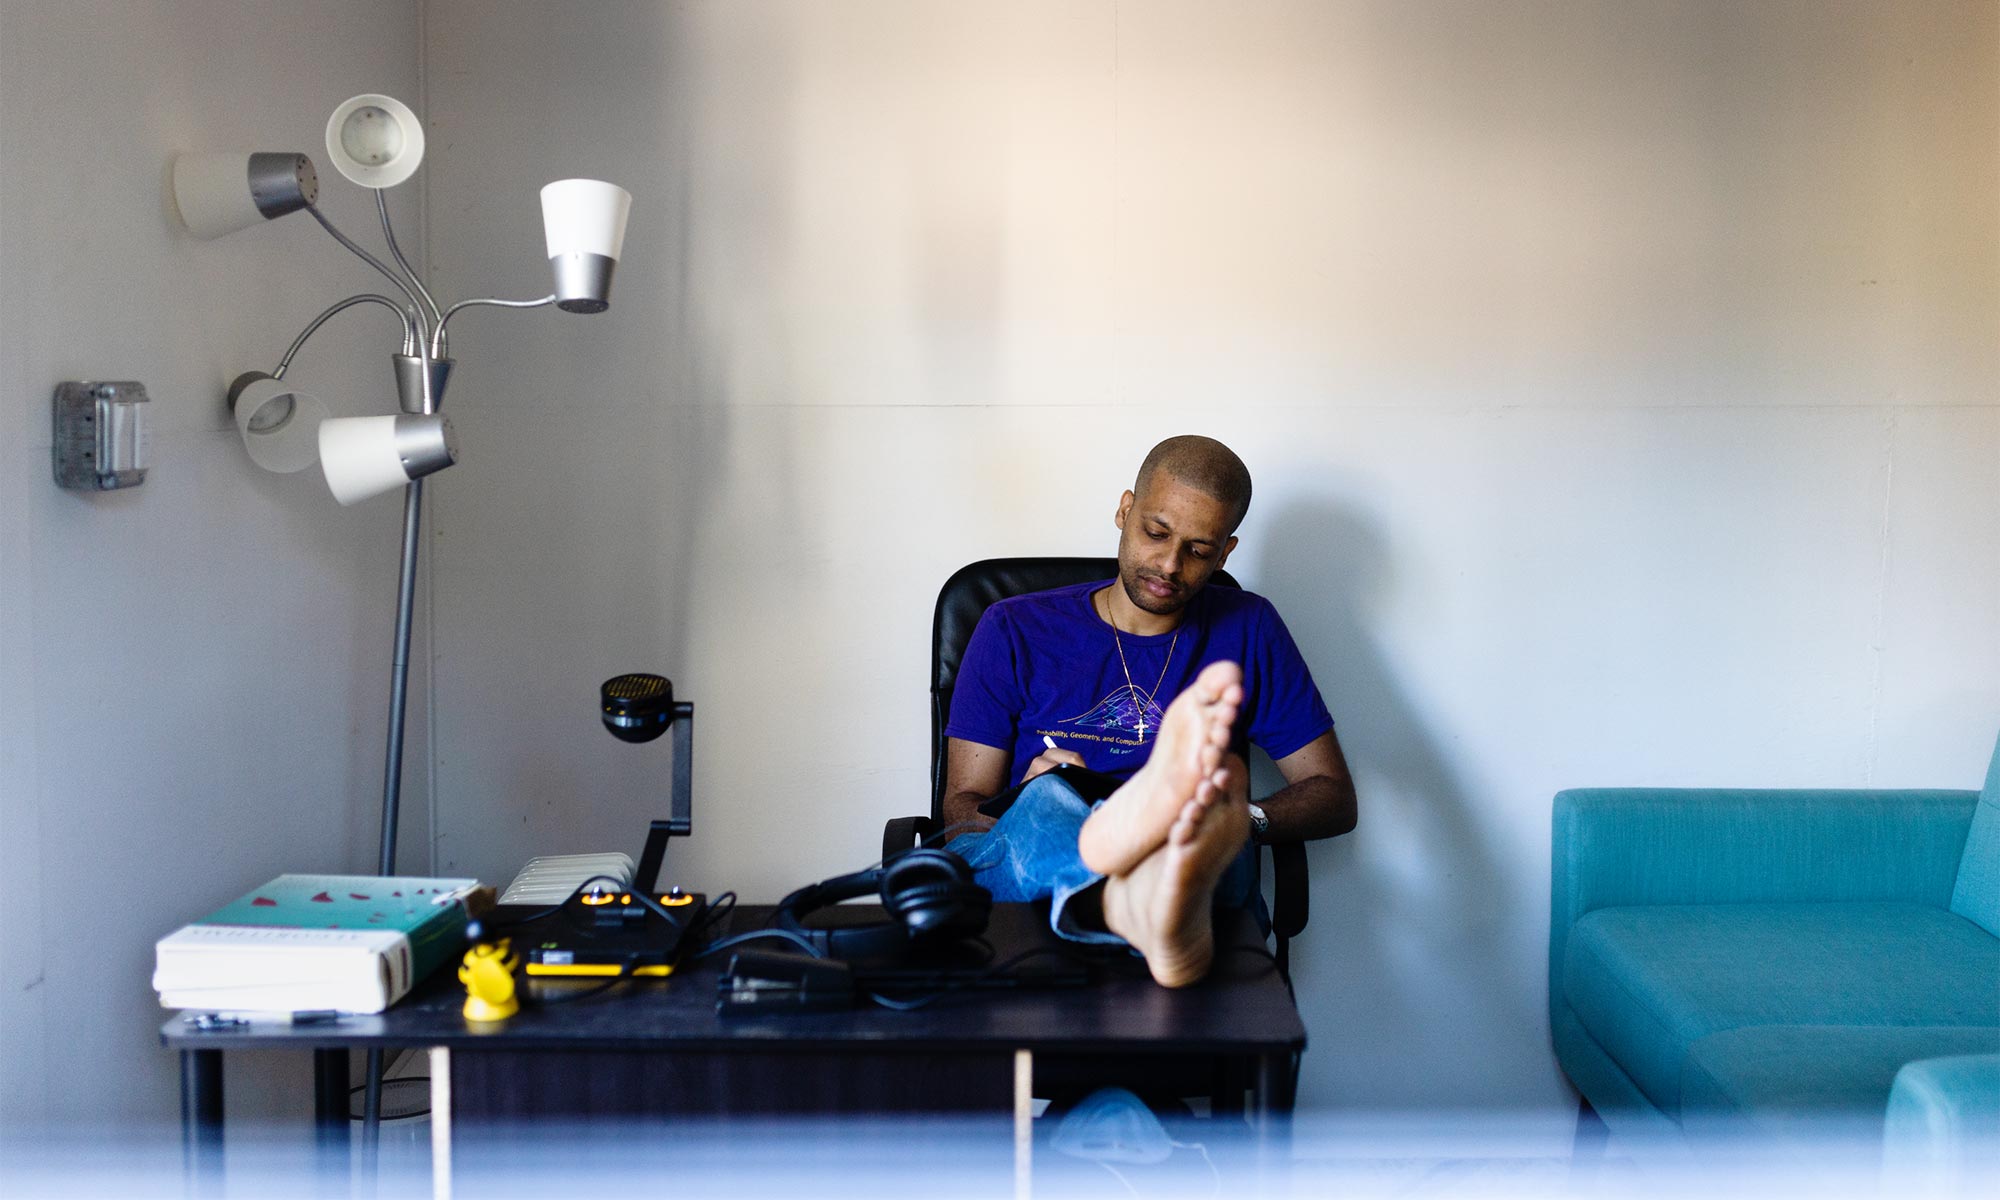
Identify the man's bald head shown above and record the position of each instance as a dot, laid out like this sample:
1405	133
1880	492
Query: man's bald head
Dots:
1203	464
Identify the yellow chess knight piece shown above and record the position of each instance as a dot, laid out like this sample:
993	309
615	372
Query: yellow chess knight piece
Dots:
488	976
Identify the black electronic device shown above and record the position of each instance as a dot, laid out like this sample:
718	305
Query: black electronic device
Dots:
1089	784
609	931
776	981
765	981
929	895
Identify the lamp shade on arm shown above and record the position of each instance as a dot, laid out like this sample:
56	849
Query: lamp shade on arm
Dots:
279	424
366	456
217	194
375	141
584	221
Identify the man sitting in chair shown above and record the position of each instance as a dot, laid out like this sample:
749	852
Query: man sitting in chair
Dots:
1157	680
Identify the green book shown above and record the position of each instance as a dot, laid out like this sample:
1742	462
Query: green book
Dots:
352	943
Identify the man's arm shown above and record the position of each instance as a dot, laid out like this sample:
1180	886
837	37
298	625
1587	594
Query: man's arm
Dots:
975	773
1317	800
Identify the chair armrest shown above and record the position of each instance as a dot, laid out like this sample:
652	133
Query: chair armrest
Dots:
1614	847
904	833
1291	890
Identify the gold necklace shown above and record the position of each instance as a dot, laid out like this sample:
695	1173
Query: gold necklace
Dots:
1131	688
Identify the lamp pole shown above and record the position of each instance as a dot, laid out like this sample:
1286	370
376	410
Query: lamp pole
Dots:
399	678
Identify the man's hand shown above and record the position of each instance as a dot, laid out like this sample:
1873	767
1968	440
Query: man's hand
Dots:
1317	800
1050	759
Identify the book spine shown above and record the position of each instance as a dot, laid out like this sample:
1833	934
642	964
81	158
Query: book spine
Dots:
429	946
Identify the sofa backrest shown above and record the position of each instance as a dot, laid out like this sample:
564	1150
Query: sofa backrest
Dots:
1976	895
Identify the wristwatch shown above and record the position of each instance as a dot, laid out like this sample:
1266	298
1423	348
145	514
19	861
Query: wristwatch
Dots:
1260	824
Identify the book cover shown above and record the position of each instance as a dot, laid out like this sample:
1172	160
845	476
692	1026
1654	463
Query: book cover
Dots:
356	943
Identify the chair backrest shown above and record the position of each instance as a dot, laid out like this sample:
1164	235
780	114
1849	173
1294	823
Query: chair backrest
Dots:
965	597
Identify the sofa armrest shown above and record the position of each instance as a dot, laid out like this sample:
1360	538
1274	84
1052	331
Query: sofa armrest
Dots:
1614	847
1941	1135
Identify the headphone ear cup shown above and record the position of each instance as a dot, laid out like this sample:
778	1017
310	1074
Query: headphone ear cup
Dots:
922	865
932	893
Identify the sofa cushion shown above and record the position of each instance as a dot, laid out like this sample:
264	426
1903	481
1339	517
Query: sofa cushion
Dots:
1976	895
1647	982
1801	1076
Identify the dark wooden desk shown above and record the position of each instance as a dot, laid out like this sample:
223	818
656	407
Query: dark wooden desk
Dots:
659	1048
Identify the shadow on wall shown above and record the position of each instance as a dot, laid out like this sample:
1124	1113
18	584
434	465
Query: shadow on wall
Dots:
1401	973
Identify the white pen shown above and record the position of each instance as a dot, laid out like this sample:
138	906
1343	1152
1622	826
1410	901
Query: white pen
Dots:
1049	741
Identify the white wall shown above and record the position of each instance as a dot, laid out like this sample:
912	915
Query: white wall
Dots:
194	672
1619	382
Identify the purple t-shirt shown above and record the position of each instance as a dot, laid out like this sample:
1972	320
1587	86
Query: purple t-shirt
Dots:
1045	664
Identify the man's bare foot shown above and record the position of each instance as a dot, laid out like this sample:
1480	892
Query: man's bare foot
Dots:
1185	765
1162	905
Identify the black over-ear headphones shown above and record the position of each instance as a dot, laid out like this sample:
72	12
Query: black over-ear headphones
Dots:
928	893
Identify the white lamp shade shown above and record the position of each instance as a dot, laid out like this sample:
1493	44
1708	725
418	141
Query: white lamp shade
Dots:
279	425
218	194
375	140
585	216
366	456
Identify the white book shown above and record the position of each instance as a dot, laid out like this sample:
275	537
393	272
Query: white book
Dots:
354	943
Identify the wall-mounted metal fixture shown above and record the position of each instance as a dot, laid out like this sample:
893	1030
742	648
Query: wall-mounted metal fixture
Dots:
100	434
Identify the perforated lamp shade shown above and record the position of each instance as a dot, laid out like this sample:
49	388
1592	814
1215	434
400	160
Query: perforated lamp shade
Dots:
375	140
218	194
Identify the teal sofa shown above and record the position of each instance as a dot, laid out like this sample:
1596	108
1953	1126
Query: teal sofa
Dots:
1773	965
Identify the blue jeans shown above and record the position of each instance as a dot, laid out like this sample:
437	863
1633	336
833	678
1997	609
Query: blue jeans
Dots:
1030	853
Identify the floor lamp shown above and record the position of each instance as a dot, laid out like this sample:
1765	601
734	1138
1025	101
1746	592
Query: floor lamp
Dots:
376	142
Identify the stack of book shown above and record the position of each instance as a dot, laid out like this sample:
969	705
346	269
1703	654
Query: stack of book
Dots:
350	943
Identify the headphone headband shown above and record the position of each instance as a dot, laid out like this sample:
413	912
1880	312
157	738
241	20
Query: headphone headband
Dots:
928	893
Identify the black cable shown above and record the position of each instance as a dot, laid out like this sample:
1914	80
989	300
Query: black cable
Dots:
718	910
408	1116
715	948
933	842
937	840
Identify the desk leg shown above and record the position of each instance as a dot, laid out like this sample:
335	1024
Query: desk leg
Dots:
330	1133
441	1122
1271	1110
201	1118
1024	1124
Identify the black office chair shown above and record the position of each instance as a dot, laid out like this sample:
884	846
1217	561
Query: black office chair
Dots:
961	602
